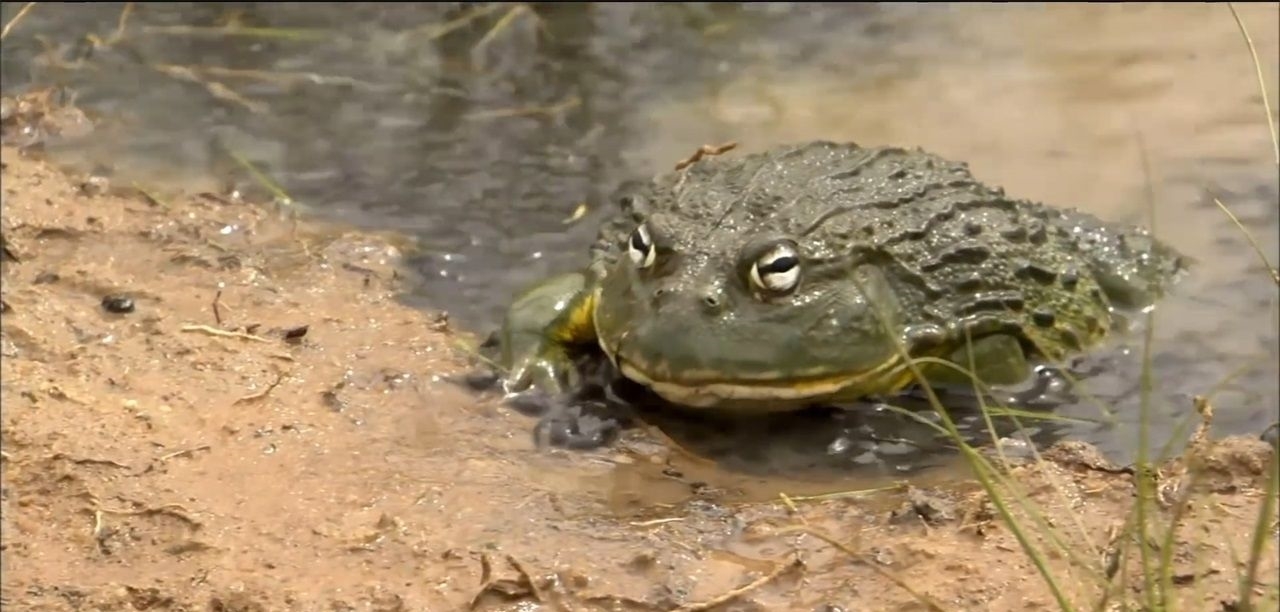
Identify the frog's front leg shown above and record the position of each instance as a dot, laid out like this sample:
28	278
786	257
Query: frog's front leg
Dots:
541	327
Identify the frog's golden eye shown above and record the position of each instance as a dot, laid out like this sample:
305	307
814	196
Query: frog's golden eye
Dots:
640	247
777	270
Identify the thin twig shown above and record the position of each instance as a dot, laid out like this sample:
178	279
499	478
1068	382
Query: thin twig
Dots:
22	12
174	510
89	461
661	521
183	452
897	486
263	393
538	595
701	606
217	314
213	331
98	524
705	151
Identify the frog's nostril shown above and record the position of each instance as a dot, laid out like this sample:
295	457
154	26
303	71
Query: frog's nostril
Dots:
712	301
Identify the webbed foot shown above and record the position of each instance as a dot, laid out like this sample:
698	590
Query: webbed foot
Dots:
581	420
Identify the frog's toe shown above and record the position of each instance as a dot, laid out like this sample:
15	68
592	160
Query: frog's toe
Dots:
551	374
533	402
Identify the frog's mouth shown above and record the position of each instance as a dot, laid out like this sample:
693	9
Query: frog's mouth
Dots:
707	389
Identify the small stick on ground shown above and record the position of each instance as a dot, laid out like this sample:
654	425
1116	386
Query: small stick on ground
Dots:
22	12
897	486
253	397
183	452
791	505
538	595
705	151
524	586
174	510
486	569
709	604
213	331
98	524
89	461
217	314
661	521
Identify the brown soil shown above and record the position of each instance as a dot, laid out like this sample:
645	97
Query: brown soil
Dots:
179	457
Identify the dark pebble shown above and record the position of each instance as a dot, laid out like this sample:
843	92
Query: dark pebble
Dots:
45	278
118	304
296	333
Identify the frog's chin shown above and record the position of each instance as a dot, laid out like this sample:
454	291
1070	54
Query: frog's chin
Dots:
779	392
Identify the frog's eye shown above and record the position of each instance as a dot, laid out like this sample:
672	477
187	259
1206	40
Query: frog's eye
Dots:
640	247
777	270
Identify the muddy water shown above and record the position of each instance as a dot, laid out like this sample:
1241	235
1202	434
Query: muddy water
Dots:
480	133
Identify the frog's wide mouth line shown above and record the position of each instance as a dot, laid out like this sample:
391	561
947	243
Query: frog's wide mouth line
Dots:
781	388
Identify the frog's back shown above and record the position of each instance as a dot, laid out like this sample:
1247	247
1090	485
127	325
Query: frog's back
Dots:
961	256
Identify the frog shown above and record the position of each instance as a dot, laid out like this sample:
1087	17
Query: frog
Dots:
825	272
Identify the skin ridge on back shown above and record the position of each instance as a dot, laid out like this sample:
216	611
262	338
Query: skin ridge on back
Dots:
961	256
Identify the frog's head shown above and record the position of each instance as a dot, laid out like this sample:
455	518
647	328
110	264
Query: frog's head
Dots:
741	310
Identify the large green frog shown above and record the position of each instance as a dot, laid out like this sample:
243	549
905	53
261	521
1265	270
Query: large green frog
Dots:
814	273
